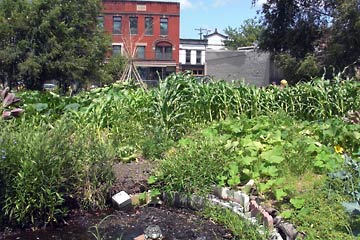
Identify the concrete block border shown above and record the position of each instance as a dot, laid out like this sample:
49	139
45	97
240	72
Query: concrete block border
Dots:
250	210
247	209
238	202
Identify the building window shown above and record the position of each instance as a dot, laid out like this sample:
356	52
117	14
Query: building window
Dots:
116	49
148	26
116	25
163	26
133	25
198	57
140	52
100	21
163	51
198	72
188	56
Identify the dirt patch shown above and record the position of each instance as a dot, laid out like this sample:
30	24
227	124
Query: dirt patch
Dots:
131	177
175	223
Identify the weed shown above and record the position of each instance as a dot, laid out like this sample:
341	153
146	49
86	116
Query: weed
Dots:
95	230
241	228
320	215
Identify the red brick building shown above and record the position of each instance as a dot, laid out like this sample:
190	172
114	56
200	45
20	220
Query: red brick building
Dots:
147	31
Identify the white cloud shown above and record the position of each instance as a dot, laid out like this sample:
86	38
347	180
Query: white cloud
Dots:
259	3
220	3
185	4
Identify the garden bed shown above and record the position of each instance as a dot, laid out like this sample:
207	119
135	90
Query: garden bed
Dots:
175	223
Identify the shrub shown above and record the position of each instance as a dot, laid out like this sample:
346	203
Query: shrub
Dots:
45	168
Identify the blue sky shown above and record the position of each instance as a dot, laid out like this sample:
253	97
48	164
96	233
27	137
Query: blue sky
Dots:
211	14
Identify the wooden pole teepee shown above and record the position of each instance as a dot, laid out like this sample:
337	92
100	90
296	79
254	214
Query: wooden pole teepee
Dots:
131	72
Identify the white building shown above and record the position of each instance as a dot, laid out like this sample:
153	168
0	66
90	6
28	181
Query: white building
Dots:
216	41
192	52
192	56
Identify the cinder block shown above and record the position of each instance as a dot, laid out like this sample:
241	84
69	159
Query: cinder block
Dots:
268	221
247	187
221	192
121	200
253	205
243	199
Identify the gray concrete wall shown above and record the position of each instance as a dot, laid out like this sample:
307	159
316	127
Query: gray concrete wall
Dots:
253	67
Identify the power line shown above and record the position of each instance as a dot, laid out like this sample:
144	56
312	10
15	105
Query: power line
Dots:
202	31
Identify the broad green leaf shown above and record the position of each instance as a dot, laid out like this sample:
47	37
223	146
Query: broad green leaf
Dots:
270	171
41	106
273	155
287	214
357	135
319	164
298	203
265	186
222	180
154	193
247	160
142	196
322	156
231	144
234	181
280	180
312	148
280	194
235	129
275	137
246	171
152	179
233	169
72	107
254	145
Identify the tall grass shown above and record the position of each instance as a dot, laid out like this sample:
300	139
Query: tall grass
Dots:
45	169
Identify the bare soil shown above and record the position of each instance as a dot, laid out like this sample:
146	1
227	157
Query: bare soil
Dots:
131	177
175	223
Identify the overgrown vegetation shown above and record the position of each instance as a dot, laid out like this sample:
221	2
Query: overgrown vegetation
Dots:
289	140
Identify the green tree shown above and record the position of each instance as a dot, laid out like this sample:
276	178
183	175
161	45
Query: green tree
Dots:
13	31
293	26
61	41
343	45
114	68
296	70
328	30
246	35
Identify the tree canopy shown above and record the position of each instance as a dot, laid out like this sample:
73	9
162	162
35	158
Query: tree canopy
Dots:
246	35
50	39
328	30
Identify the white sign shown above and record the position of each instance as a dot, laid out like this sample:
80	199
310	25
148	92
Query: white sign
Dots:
140	7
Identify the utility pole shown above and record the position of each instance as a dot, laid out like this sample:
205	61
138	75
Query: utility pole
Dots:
201	31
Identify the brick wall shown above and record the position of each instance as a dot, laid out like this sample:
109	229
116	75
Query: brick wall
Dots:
142	9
